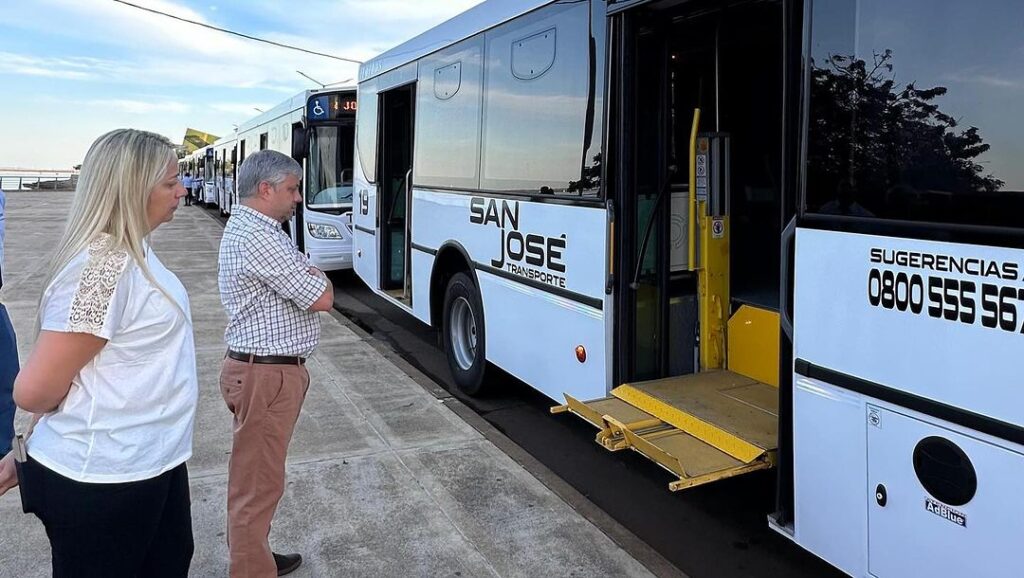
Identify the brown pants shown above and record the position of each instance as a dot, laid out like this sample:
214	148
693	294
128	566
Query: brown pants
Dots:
266	400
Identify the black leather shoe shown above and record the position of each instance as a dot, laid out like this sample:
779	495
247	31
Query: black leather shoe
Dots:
287	563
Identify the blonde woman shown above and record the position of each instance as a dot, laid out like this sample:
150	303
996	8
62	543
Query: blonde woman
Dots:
112	377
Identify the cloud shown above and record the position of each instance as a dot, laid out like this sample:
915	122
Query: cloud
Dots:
125	66
242	110
139	106
153	72
356	28
72	68
156	50
397	13
996	81
977	77
133	104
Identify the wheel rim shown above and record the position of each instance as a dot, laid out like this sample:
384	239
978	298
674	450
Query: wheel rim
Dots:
463	333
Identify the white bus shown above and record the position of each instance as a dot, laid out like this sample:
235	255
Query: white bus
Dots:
200	165
224	158
732	235
316	128
208	175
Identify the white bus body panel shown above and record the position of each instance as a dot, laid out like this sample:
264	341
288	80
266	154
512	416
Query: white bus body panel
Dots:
905	538
846	443
210	192
364	228
959	364
483	16
531	332
223	150
227	195
829	474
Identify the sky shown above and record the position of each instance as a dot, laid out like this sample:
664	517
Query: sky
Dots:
71	70
984	78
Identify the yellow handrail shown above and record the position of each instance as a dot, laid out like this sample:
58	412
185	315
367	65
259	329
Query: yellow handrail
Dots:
691	224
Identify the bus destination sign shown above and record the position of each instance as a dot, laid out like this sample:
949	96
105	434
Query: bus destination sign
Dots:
331	107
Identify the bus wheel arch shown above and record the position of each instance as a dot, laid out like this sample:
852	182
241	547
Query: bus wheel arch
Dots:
451	258
457	308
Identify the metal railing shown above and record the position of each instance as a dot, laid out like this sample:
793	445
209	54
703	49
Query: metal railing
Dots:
32	182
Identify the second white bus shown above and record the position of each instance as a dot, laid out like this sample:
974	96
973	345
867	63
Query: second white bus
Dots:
317	128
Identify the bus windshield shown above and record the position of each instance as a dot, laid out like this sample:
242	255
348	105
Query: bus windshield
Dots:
329	182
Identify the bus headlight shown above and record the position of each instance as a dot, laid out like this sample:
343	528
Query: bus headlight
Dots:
323	231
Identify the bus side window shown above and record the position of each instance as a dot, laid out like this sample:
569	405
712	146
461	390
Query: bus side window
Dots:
893	136
538	67
448	117
366	129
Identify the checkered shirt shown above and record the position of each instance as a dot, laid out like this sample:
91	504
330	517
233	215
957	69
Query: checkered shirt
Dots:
266	288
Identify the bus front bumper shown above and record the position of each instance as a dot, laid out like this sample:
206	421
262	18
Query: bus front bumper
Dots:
331	261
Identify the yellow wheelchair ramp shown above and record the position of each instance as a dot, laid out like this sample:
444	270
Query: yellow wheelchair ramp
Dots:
702	427
736	414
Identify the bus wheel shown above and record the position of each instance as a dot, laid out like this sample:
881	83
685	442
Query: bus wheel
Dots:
463	334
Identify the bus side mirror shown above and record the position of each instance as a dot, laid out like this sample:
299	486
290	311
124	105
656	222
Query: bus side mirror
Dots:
300	143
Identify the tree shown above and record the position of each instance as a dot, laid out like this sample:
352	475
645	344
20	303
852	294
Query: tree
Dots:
870	136
590	178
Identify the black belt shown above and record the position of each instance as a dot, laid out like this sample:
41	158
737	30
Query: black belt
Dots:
270	359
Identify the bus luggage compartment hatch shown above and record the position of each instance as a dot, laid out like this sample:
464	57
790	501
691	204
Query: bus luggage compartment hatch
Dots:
701	427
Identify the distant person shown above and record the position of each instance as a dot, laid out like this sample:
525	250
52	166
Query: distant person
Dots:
272	297
187	183
8	351
112	377
197	188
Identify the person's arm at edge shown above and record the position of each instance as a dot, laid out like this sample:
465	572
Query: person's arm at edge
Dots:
8	474
326	300
44	381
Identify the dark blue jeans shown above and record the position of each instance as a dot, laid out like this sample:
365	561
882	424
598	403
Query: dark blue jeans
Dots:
8	370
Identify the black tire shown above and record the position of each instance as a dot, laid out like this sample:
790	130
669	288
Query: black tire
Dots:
462	291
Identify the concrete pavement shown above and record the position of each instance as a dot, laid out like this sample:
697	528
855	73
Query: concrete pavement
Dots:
385	479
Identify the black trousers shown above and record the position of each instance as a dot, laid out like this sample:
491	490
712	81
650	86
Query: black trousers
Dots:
125	530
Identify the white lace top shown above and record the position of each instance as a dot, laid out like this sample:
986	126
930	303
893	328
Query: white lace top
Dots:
130	411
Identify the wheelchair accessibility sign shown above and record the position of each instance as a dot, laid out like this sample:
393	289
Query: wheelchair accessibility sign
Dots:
317	110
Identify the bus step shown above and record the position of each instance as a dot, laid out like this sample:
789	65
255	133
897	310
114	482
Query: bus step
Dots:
692	461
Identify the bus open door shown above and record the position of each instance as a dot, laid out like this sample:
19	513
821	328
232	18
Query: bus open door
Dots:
395	195
698	106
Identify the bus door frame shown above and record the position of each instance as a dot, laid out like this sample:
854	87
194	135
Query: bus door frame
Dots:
300	152
385	249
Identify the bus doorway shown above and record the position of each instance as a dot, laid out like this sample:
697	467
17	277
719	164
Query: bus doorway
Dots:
698	164
396	149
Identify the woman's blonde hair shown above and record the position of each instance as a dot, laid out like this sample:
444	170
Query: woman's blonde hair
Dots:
120	170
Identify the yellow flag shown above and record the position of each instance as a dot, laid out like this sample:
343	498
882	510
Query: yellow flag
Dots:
195	140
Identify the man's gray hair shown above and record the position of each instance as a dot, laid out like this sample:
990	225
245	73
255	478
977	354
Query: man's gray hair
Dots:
265	166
